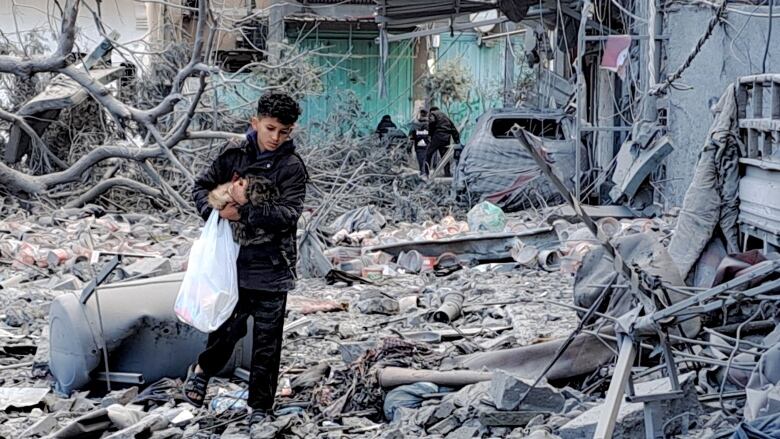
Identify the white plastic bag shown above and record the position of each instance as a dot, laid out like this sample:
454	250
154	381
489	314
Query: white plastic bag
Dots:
209	291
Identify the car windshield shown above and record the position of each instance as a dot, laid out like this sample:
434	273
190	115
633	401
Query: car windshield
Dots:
547	128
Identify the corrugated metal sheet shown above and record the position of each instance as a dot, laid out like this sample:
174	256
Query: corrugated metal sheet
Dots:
356	74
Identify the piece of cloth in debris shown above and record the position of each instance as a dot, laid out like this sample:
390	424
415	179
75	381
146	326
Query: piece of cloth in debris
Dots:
712	201
362	218
357	387
765	427
312	262
615	54
267	309
410	396
598	270
310	377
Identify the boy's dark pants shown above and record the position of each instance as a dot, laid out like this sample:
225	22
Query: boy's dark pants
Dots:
267	308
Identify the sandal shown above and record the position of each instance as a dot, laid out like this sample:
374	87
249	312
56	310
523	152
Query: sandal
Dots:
194	389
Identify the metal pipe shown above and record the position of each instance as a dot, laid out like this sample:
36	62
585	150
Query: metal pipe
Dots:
550	260
451	307
397	376
504	34
121	377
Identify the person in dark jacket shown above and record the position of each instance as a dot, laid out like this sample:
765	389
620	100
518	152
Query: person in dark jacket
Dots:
385	125
268	190
441	129
420	138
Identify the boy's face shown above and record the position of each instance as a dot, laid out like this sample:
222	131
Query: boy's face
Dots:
270	132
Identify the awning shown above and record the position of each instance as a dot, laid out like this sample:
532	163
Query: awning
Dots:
413	12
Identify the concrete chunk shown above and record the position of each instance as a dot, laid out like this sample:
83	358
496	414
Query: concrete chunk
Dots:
445	426
42	427
507	389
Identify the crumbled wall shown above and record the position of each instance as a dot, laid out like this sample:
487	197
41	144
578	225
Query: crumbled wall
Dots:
734	50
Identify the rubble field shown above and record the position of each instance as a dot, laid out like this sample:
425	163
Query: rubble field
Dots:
392	342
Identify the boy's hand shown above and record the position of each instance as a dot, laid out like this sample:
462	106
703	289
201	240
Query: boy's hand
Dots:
238	191
230	212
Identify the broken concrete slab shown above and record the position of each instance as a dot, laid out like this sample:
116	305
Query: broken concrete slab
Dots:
445	426
499	418
21	397
41	428
507	389
630	418
443	410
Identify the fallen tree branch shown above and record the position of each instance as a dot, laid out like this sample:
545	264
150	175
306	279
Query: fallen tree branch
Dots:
59	59
106	185
17	181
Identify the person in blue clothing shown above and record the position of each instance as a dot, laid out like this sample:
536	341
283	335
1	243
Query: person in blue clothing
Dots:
268	190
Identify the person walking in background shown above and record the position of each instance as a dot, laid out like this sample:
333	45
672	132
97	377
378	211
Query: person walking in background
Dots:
420	138
385	125
441	129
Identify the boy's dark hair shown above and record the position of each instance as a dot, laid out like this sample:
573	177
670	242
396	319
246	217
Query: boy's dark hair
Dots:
434	108
279	105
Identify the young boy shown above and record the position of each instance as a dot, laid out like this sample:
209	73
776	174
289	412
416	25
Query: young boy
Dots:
266	261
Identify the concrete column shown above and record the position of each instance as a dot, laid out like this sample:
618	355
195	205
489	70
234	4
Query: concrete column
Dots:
509	67
605	118
276	32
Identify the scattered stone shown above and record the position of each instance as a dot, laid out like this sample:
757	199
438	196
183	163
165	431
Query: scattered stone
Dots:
443	410
506	391
374	302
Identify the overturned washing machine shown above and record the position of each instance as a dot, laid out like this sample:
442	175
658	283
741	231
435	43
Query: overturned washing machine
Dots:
144	339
